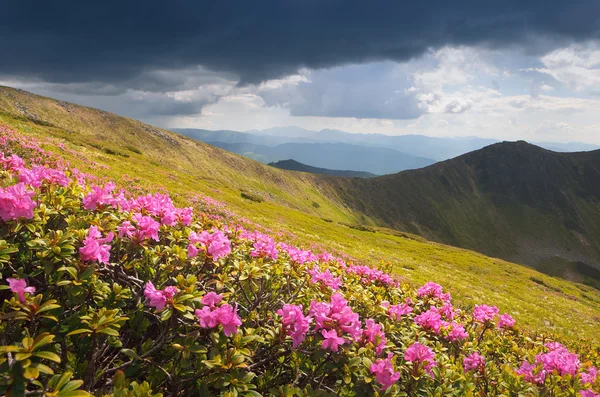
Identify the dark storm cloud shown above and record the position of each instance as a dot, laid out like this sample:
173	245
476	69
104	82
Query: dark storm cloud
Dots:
116	42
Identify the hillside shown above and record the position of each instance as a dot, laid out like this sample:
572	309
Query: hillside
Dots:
120	291
293	165
308	210
512	200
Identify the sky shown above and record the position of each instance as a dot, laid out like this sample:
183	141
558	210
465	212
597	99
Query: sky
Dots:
495	69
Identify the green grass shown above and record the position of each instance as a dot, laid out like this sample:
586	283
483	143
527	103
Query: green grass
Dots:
537	301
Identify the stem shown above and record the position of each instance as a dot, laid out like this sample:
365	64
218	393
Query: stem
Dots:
88	378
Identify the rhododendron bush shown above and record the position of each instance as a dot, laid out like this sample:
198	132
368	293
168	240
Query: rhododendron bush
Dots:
106	292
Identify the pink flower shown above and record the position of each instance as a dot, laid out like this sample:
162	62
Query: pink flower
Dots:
325	277
474	362
430	320
94	247
483	313
384	372
373	333
207	317
506	321
447	311
559	360
227	316
217	244
531	375
264	246
295	323
431	290
420	354
158	298
19	287
147	228
126	229
399	310
588	393
15	202
211	299
99	196
320	311
336	314
457	333
332	340
589	376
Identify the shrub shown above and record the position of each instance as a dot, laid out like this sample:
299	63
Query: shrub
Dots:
252	197
109	293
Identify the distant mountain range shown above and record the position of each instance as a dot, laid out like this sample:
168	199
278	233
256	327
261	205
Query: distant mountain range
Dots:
411	151
293	165
335	156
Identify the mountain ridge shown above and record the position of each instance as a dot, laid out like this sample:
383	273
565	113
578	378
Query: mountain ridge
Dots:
486	199
293	165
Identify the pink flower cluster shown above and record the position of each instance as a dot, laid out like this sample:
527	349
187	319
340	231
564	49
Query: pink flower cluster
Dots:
474	362
486	314
336	315
264	246
421	356
16	202
506	321
430	320
483	313
588	393
325	277
433	290
589	377
159	298
295	324
94	246
558	359
159	206
19	287
100	197
371	275
397	311
373	333
211	316
297	255
38	174
216	244
457	333
384	372
145	228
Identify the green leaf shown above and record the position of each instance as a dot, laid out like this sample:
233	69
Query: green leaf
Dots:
46	308
31	373
72	385
22	356
80	331
48	356
43	368
129	353
43	340
109	331
76	393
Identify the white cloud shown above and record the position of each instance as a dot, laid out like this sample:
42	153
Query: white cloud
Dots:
576	66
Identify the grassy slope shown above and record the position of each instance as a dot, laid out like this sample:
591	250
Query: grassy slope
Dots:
537	301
